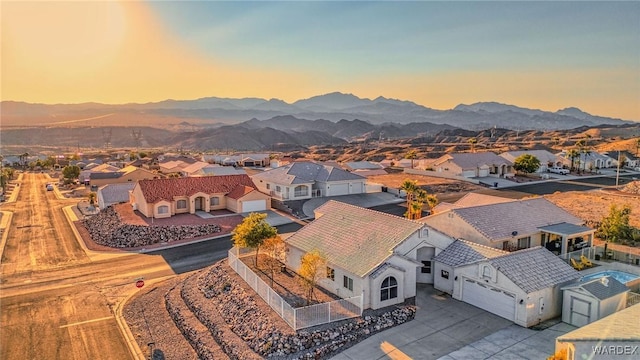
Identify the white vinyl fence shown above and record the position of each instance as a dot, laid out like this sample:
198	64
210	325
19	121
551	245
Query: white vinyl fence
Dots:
297	318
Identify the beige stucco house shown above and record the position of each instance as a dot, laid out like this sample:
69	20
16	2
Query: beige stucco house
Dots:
162	198
124	175
378	255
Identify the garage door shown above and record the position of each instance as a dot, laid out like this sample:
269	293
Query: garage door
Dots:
338	189
254	205
489	298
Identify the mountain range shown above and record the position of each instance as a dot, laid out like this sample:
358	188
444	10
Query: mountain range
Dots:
323	109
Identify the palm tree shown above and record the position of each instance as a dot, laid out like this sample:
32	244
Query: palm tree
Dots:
421	198
572	154
473	141
411	154
410	187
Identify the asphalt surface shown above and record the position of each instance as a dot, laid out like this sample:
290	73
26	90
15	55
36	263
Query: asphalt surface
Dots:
58	299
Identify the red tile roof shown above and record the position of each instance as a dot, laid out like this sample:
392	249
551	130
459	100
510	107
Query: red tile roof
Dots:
240	191
155	190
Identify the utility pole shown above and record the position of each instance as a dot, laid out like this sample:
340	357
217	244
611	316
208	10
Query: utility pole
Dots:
618	170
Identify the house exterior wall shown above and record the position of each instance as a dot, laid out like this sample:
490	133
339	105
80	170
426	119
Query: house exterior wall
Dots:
236	205
155	209
136	199
606	350
568	294
355	187
133	176
287	192
405	285
424	239
613	304
439	282
535	307
184	210
449	167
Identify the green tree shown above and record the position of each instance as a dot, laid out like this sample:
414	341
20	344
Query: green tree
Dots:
312	267
411	155
252	232
526	163
420	198
70	172
615	226
275	249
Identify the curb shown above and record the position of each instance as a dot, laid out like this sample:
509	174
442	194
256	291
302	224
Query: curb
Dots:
132	344
5	223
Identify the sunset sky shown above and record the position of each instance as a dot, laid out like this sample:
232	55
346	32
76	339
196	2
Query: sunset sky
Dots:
545	55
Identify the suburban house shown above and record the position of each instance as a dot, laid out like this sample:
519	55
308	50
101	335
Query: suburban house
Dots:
588	301
88	169
114	194
470	199
173	166
523	286
628	159
256	159
124	175
469	165
547	159
515	225
162	198
378	255
590	160
614	337
361	165
304	180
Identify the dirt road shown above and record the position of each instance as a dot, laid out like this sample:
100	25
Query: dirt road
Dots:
57	300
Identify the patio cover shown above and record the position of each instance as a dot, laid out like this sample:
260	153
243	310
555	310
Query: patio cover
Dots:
566	229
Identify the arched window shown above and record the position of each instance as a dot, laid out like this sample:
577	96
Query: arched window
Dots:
389	289
301	190
163	209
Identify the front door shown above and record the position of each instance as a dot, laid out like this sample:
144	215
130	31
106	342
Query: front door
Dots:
198	203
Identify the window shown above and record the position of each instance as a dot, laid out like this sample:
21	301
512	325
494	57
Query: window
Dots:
524	243
331	273
389	289
214	201
505	245
444	274
268	185
278	188
486	272
426	267
163	209
301	190
347	282
182	204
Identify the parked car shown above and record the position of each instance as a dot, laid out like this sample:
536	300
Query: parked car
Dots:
559	170
49	187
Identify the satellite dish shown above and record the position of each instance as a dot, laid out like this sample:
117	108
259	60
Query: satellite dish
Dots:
514	233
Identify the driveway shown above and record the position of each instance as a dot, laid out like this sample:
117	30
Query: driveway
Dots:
449	329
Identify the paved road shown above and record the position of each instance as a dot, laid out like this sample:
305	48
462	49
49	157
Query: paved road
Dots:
58	299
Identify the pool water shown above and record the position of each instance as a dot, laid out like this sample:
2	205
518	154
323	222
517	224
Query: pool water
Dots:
621	276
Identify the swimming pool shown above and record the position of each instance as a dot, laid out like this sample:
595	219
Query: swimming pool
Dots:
623	277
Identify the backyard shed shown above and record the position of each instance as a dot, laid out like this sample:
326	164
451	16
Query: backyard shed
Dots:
586	302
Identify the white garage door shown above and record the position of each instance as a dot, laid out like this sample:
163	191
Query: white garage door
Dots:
469	173
489	298
338	189
483	173
254	205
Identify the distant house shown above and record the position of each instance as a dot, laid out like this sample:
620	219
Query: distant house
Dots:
514	225
249	160
547	159
522	286
614	337
304	180
111	194
470	199
590	160
378	255
173	166
361	165
162	198
127	174
629	160
93	168
469	165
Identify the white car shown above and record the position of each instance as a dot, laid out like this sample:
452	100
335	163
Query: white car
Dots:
559	170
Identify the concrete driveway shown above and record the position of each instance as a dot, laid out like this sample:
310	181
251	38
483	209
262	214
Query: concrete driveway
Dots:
445	328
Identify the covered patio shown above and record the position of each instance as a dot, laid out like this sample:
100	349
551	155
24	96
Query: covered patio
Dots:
565	237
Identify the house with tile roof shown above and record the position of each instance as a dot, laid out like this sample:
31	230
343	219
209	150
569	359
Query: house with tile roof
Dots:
547	159
522	286
304	180
470	199
616	336
515	225
161	198
470	165
128	174
586	301
251	159
378	255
